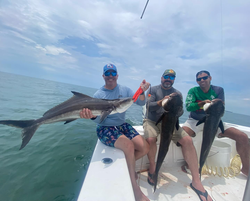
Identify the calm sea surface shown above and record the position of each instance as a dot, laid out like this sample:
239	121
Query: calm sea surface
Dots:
52	167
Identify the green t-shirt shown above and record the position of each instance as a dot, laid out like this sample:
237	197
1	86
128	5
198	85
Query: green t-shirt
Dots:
196	95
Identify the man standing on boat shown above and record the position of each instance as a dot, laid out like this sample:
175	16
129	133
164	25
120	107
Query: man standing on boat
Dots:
114	131
180	137
196	98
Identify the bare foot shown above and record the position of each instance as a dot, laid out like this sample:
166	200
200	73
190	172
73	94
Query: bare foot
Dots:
139	196
184	168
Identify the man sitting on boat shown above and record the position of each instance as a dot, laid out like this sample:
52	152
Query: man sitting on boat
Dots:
196	98
114	131
180	137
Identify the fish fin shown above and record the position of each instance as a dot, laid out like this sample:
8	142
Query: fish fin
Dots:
180	112
68	121
27	135
221	126
177	125
158	121
80	95
17	123
155	178
76	96
104	115
201	121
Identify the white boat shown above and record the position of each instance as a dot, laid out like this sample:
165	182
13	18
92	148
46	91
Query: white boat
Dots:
108	180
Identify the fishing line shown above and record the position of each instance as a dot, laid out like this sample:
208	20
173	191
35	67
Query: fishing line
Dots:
235	165
148	98
222	64
145	117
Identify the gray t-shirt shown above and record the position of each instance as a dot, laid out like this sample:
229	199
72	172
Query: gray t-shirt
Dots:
157	93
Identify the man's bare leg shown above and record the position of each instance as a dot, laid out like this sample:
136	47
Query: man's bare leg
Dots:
151	155
190	157
127	146
242	146
141	147
191	133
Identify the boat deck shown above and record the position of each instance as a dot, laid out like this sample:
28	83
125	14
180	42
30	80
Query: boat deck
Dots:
173	184
110	182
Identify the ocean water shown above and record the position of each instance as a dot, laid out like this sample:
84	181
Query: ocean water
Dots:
53	165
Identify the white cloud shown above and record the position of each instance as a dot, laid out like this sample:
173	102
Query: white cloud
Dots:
48	49
55	50
104	46
85	24
85	35
41	48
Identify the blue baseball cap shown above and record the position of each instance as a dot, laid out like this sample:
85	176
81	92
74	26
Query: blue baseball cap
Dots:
109	67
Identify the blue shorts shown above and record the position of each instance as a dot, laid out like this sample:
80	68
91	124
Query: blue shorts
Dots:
109	134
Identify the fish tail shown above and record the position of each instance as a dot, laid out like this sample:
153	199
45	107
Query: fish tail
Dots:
155	179
17	123
28	126
154	188
27	134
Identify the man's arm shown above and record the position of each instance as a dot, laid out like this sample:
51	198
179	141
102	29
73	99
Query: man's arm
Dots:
153	101
191	101
143	87
191	104
221	94
87	114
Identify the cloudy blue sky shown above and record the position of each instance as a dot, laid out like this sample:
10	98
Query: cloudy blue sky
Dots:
70	41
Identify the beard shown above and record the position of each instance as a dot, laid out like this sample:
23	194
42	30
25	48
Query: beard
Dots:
167	84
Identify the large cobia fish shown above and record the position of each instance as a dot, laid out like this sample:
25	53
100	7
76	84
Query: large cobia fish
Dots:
214	111
69	111
173	109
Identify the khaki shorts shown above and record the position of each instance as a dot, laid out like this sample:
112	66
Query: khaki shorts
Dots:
191	123
152	130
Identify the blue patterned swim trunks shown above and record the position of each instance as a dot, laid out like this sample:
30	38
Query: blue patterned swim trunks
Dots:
109	134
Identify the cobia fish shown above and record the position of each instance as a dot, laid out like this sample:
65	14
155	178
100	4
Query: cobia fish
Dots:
173	109
214	111
69	111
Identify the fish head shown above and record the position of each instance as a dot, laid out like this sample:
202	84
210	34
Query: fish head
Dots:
215	107
173	104
123	104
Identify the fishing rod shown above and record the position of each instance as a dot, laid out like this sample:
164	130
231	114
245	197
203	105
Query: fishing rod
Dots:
144	9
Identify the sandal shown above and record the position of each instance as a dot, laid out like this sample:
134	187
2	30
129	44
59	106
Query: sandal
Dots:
150	177
199	193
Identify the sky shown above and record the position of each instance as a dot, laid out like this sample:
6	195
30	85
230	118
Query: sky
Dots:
70	41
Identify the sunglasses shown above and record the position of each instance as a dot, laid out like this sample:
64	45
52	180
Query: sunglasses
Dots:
113	73
171	77
204	78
